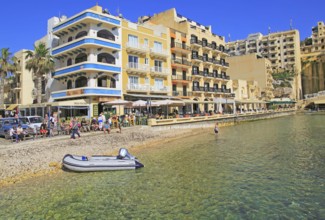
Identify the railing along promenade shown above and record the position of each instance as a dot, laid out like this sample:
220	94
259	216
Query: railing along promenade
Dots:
218	117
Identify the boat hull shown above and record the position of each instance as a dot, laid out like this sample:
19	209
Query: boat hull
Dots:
98	163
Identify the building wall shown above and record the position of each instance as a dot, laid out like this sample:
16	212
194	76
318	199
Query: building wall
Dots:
281	48
146	59
249	67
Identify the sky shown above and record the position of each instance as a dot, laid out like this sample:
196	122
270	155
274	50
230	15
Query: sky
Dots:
25	21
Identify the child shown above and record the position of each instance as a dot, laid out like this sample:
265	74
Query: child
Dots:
216	128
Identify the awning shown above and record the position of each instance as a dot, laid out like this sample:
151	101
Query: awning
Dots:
187	101
241	101
12	107
77	102
152	96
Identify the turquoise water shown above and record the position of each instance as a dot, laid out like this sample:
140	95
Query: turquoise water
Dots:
268	169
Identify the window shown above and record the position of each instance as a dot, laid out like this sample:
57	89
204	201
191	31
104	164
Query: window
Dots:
133	41
133	80
106	35
195	70
157	46
206	71
146	61
69	84
146	81
158	66
174	72
159	83
133	61
146	43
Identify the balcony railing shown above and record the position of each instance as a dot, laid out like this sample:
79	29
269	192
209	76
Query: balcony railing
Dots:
197	42
181	93
157	70
140	48
181	62
180	46
208	89
137	66
197	57
158	52
180	77
160	89
138	87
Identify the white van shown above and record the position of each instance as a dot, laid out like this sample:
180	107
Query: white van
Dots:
34	121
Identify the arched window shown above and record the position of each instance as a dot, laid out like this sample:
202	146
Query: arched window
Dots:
81	82
69	84
214	45
193	38
221	48
204	42
106	34
206	106
106	58
81	34
106	81
69	62
81	58
70	39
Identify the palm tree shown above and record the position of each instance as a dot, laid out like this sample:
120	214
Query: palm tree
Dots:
40	63
8	65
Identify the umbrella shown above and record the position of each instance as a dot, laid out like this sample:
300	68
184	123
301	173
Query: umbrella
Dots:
169	102
118	102
139	103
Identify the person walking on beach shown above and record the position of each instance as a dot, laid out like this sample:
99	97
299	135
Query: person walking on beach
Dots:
74	126
216	128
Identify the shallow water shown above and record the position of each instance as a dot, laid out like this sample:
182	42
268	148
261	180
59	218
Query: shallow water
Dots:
268	169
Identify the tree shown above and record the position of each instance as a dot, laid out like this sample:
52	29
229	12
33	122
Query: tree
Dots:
8	64
40	63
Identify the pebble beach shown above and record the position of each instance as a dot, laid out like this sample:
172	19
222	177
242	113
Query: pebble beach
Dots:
43	156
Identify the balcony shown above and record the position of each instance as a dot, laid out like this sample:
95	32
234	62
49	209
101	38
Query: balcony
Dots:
159	89
86	91
181	63
159	71
139	49
180	48
181	79
136	68
197	58
81	44
80	21
159	53
86	66
182	93
138	88
196	43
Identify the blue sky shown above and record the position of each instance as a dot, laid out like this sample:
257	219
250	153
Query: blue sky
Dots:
25	21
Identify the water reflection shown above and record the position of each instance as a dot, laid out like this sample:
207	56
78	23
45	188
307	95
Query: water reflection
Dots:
265	169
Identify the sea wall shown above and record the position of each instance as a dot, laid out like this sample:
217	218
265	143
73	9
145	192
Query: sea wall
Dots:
209	121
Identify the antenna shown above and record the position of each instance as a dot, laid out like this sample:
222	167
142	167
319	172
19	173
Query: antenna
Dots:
229	38
291	24
269	29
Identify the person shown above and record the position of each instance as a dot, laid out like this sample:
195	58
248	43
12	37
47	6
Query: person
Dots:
216	128
94	124
107	127
100	122
119	122
74	126
43	129
20	133
13	133
84	125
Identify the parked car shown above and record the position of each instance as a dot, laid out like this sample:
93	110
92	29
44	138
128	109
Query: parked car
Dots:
32	121
7	123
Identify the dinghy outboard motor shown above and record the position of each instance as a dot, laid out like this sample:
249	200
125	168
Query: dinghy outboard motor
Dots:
124	154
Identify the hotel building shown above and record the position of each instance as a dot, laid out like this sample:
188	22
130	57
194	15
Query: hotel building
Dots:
87	50
198	66
281	48
313	60
145	61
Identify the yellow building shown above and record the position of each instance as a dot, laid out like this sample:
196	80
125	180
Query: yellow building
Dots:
253	67
313	61
199	70
281	48
145	61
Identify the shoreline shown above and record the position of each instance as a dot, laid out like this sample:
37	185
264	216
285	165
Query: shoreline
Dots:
25	160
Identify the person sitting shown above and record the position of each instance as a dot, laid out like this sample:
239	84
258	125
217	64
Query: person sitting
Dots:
107	127
43	129
20	133
94	124
84	125
13	133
